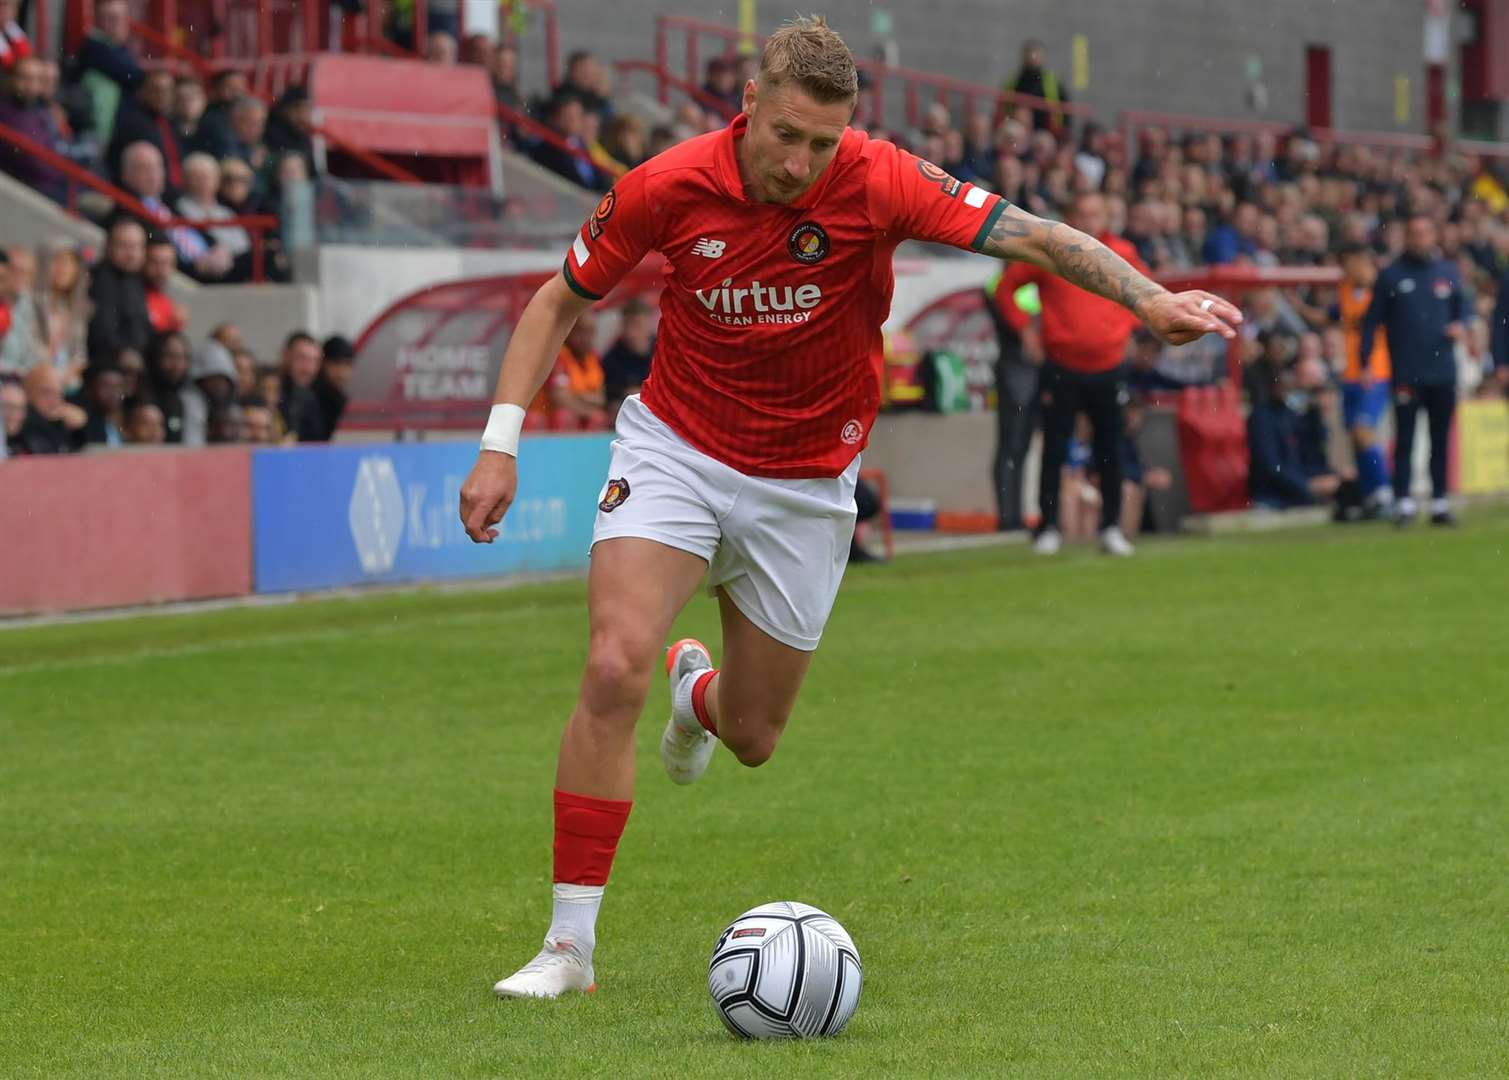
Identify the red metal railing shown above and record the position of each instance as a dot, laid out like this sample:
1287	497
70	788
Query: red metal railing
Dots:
914	83
75	176
665	81
522	122
205	69
1232	281
1131	121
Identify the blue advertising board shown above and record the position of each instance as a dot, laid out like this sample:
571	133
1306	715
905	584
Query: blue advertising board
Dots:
331	516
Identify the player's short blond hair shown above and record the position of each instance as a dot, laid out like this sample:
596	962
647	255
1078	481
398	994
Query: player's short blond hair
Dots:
807	53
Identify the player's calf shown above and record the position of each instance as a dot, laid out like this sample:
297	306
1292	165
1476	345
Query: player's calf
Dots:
751	735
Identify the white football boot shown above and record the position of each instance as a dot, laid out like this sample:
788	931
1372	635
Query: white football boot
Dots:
1048	542
559	968
1114	542
686	747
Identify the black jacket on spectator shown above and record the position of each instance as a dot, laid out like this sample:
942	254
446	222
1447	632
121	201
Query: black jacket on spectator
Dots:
1042	83
170	400
1313	440
302	415
42	436
115	62
32	120
100	430
563	163
134	124
624	368
332	404
1277	476
213	136
1499	330
120	313
284	138
507	95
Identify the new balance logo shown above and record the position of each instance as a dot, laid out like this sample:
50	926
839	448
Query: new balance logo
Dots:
711	249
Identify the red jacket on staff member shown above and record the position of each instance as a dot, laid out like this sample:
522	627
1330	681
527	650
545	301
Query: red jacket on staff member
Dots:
1084	339
1080	331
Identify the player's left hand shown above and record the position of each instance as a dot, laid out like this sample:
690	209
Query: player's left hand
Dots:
1179	318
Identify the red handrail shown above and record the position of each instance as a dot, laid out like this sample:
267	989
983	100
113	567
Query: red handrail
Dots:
1130	120
664	78
544	133
204	69
941	85
1482	148
1233	280
256	225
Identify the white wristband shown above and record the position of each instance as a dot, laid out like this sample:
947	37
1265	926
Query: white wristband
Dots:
503	426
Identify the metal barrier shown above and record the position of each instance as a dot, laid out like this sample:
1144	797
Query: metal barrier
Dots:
879	75
256	225
665	82
285	65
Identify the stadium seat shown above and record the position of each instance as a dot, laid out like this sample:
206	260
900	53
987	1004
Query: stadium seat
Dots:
1213	448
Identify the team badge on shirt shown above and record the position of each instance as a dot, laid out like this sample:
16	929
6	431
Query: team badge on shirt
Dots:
601	215
614	495
934	175
808	243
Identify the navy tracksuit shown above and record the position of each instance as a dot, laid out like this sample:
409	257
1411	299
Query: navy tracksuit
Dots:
1500	329
1413	300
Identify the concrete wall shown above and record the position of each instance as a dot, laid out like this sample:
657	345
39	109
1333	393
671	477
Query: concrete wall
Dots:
1170	55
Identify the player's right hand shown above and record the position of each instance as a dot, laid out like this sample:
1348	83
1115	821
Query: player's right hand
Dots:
487	494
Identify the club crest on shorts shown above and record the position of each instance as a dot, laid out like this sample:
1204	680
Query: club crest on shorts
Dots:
808	243
853	431
614	495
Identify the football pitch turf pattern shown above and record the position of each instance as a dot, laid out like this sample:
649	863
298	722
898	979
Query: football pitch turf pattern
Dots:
1234	807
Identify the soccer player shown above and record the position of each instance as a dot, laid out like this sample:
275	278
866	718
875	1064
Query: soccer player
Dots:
1365	381
737	461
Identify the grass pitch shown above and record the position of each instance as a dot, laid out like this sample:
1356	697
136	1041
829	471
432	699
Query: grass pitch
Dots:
1234	807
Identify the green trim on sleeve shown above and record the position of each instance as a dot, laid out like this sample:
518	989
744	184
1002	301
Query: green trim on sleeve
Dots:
575	285
990	220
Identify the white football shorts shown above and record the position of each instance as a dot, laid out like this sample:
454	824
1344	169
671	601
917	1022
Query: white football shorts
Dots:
777	547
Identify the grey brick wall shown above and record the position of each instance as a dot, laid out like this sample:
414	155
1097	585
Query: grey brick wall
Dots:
1171	55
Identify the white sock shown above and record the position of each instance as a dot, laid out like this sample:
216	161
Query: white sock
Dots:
573	915
1440	506
1406	507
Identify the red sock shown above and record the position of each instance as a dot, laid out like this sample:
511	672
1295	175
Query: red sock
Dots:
699	701
586	836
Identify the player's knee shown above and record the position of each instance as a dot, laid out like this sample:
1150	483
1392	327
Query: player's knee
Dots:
755	752
751	738
618	671
1362	436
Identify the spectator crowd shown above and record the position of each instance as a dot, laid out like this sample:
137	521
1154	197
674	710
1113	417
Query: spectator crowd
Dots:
97	356
190	152
195	155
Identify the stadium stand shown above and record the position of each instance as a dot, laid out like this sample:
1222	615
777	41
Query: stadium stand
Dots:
251	135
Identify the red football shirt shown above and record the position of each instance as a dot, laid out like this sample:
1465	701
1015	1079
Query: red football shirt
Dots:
769	351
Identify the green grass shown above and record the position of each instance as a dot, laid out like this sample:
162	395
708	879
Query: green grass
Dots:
1235	807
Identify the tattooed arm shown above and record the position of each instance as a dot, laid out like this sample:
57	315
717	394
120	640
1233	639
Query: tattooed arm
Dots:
1177	318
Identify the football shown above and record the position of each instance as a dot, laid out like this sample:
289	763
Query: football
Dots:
785	971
